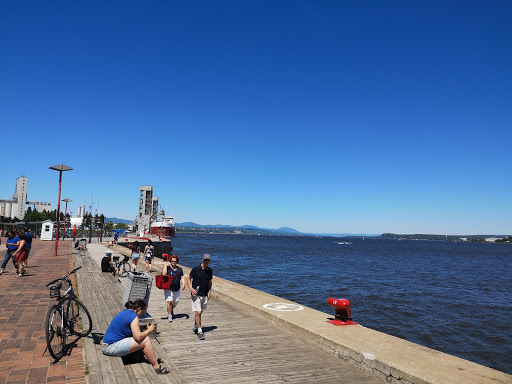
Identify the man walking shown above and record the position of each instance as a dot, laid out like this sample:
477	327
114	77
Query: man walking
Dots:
200	284
28	239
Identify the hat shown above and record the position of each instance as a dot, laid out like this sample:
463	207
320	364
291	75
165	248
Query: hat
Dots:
206	256
108	253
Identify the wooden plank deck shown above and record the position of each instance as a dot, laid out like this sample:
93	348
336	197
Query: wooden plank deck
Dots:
239	347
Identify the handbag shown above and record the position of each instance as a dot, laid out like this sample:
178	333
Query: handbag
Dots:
163	281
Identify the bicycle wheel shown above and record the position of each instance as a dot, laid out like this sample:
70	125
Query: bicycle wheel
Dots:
125	268
79	320
55	332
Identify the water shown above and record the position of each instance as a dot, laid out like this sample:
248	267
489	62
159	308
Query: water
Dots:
452	297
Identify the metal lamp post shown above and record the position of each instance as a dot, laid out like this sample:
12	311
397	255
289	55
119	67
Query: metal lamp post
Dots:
61	168
67	201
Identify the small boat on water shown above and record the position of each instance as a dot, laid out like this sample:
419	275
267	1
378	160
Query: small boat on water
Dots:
342	242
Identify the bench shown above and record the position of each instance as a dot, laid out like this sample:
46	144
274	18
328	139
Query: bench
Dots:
102	295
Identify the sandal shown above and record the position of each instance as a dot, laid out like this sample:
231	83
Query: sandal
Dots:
161	370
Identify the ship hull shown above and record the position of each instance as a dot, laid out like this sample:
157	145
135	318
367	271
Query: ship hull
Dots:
163	231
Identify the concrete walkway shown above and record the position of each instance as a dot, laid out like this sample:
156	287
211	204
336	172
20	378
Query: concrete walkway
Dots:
24	302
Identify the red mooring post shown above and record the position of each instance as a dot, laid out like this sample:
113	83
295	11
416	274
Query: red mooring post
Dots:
342	315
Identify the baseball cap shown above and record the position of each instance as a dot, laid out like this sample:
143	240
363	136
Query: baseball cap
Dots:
108	253
206	256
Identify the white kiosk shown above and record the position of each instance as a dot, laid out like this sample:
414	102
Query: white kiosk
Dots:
47	230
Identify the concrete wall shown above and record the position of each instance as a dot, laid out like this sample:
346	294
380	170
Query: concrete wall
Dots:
393	359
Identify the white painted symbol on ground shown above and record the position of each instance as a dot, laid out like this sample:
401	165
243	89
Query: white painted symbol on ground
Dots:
283	307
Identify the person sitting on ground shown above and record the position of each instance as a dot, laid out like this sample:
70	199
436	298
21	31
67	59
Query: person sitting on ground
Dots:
107	265
124	336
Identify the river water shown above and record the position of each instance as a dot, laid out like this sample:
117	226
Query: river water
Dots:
452	297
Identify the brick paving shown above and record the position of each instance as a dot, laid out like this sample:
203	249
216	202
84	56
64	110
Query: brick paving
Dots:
23	305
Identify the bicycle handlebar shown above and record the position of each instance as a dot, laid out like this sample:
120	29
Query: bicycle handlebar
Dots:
63	278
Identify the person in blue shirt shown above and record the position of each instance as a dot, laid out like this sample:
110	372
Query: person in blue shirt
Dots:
172	296
12	244
28	239
124	335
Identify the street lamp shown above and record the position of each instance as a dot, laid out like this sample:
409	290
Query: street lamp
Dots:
61	168
67	201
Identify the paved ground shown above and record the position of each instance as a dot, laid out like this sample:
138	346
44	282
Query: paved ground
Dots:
23	303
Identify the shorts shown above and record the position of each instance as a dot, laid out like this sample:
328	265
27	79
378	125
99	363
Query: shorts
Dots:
119	348
28	253
20	257
112	269
135	256
198	303
172	295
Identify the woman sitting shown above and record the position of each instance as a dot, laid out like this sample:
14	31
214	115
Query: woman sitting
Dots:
124	336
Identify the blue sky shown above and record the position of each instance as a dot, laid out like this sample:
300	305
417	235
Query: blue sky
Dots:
324	116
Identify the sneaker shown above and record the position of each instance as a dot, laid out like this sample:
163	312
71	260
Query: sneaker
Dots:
194	330
200	336
169	318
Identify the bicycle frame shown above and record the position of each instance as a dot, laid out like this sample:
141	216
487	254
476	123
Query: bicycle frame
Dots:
67	296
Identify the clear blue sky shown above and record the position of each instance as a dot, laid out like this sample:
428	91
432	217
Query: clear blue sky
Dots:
324	116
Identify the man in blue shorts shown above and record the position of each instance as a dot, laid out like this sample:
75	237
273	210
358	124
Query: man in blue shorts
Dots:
200	284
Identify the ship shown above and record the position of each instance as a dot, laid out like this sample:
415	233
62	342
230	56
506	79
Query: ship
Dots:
164	226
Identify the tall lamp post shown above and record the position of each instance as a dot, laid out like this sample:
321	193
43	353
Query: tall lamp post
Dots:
67	201
61	168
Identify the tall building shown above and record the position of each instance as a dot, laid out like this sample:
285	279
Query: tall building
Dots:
148	207
81	211
15	207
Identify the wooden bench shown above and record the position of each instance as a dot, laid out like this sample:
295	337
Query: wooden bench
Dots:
102	294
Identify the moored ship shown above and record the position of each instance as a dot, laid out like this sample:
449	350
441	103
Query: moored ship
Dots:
164	226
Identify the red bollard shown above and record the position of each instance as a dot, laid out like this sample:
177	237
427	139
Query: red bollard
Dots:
165	256
342	315
130	246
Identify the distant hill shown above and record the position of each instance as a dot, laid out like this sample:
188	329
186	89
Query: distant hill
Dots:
115	220
249	229
283	230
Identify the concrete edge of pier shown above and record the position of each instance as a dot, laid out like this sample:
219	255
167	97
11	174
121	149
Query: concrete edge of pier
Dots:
393	359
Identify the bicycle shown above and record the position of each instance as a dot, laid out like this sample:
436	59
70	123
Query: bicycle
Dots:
123	266
69	315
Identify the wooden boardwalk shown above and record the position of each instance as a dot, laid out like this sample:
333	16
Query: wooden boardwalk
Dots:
239	348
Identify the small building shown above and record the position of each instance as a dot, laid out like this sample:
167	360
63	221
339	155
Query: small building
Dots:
493	239
47	230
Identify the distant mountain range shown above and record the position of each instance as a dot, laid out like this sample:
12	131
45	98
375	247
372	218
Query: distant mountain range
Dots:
245	229
190	224
282	230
